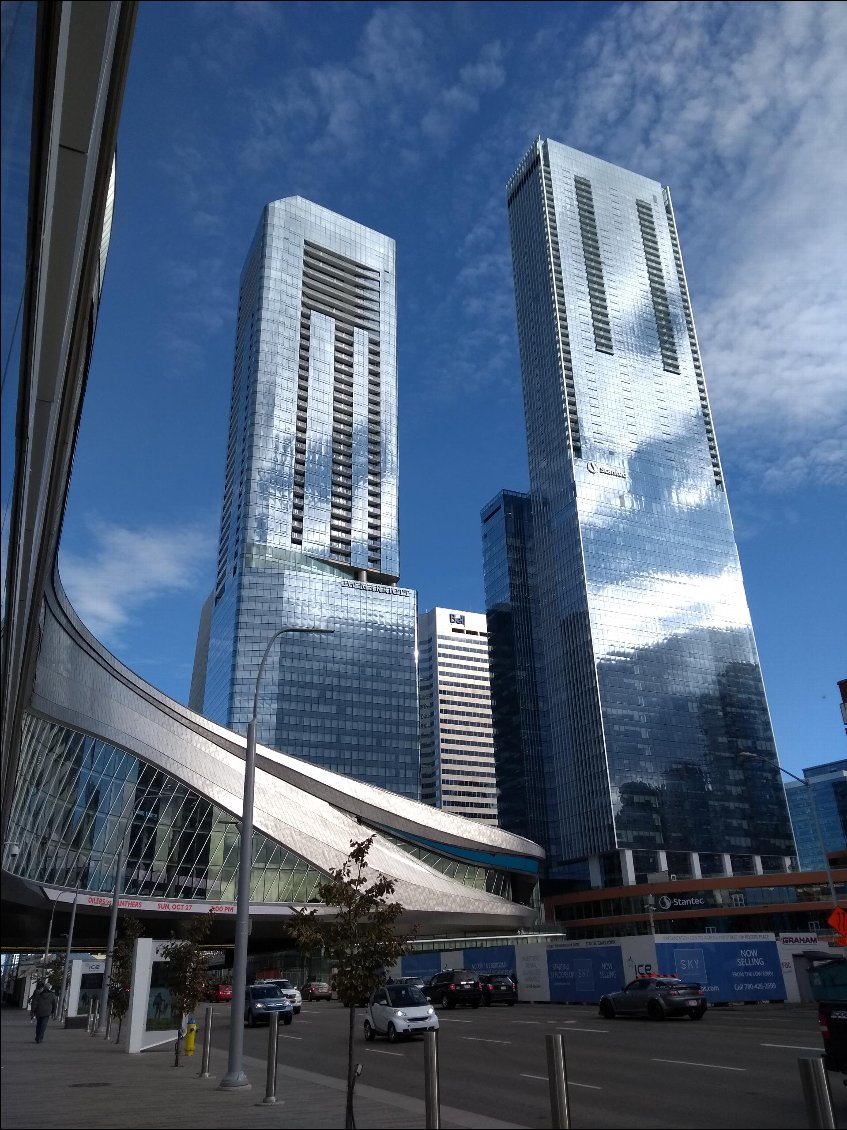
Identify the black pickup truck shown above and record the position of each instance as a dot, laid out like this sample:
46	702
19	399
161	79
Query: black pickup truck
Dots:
828	979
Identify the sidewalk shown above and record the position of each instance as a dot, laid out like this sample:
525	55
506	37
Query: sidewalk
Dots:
75	1080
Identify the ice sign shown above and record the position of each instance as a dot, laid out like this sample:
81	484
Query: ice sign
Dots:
690	965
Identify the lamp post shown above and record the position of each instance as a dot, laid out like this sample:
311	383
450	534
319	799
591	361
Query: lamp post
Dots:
813	804
235	1074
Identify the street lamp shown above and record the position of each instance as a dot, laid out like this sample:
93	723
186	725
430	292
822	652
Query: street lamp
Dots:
235	1075
813	804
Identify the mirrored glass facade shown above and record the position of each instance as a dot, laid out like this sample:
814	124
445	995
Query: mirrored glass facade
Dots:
828	783
516	678
309	515
653	685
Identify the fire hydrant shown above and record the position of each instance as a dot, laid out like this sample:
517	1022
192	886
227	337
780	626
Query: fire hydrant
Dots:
190	1035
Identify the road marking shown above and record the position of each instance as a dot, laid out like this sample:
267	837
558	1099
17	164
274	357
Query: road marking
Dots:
285	1036
453	1020
480	1040
690	1063
528	1022
381	1051
603	1031
796	1047
589	1086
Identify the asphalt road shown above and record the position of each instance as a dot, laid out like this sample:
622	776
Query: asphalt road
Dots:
737	1068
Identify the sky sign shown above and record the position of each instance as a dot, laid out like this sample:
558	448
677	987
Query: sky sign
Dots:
743	970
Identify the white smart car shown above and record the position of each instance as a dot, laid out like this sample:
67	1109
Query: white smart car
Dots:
399	1010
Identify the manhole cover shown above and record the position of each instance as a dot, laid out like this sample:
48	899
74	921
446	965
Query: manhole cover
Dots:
89	1084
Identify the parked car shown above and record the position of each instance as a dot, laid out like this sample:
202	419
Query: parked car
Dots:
497	988
289	991
656	997
220	992
828	979
397	1011
317	991
418	982
454	986
261	1000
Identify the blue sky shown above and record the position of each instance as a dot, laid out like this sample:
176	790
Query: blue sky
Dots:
410	119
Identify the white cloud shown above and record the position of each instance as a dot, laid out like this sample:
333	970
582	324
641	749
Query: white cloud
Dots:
128	569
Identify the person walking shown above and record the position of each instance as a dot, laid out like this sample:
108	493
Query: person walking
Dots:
41	1006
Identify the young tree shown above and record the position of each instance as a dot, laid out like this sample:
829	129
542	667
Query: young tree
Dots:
187	973
121	979
361	937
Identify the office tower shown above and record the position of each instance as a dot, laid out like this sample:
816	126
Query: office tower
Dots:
819	813
457	750
652	679
515	675
309	517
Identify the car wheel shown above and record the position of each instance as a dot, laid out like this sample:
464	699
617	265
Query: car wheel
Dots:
511	1004
297	1011
391	1034
369	1031
697	1013
487	1002
251	1019
655	1010
475	1004
607	1009
445	1001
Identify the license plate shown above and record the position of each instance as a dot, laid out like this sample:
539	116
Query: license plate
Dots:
692	1004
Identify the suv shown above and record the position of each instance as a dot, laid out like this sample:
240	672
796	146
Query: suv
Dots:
497	988
289	991
261	1000
656	997
454	986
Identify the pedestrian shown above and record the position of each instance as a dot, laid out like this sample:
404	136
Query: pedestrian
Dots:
41	1006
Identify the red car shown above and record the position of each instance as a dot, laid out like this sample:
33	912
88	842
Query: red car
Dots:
317	991
220	992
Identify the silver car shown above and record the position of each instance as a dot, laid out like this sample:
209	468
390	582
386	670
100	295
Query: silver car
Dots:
289	991
399	1010
656	997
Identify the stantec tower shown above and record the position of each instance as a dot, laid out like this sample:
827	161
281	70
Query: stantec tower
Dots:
648	671
309	517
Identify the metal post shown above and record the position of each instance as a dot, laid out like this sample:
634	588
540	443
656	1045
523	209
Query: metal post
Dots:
92	1016
558	1079
207	1043
816	1092
235	1075
49	935
62	1001
432	1096
109	1022
273	1047
110	944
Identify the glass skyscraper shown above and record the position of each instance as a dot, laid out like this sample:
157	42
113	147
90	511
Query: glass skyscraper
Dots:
515	676
309	517
652	685
823	818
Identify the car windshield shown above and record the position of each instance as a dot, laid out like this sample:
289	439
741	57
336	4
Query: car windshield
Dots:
499	981
403	996
281	983
265	992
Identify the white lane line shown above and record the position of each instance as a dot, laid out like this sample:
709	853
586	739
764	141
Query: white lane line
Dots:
380	1051
480	1040
691	1063
589	1086
285	1036
452	1020
529	1022
602	1031
796	1047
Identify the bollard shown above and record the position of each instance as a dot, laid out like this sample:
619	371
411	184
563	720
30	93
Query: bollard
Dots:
431	1093
90	1016
558	1079
108	1035
93	1016
816	1092
207	1043
273	1045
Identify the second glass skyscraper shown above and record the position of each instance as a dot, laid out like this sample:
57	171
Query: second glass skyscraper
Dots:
309	516
652	686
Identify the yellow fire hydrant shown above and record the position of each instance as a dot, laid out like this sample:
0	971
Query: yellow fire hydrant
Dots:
190	1036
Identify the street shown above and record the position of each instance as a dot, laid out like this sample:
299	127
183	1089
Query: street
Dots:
736	1068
